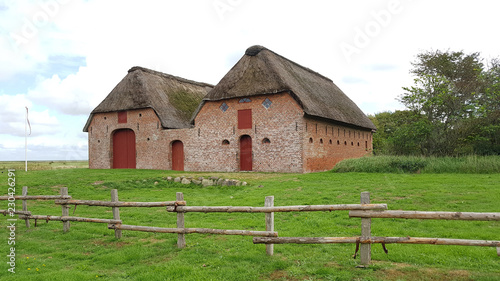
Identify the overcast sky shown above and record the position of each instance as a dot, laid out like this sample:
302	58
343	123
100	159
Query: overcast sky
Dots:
60	58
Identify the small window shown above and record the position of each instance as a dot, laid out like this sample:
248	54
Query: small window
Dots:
245	119
244	100
352	144
122	117
105	118
345	143
224	107
338	142
310	140
140	114
266	141
330	141
321	141
225	142
267	103
358	143
148	139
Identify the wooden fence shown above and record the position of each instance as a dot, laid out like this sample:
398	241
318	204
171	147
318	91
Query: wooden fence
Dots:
363	242
365	210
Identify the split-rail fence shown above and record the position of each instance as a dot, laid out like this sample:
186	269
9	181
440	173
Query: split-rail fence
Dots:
365	210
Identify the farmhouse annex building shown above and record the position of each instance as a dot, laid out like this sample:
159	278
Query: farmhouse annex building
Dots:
267	114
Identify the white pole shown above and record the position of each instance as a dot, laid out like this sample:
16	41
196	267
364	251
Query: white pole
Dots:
26	142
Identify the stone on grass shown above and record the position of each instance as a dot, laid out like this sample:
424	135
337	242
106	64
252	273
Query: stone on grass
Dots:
206	182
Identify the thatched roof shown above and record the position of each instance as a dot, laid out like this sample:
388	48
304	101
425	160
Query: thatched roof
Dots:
174	99
261	71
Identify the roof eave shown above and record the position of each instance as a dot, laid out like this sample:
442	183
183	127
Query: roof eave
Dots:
354	126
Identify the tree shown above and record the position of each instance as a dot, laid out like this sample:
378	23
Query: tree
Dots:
459	97
400	133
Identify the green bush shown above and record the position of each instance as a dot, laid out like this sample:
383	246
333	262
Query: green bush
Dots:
413	164
408	165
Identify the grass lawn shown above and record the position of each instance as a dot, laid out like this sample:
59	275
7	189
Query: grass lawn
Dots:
90	251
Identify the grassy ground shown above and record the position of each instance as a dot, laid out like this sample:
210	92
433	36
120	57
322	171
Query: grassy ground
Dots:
90	251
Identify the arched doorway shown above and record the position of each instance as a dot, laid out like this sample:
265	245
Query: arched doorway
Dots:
245	153
177	156
124	149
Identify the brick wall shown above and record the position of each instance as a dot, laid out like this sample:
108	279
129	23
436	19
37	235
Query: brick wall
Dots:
326	144
281	124
148	134
296	144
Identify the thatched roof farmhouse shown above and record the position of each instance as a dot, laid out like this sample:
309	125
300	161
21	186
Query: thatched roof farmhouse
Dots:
267	113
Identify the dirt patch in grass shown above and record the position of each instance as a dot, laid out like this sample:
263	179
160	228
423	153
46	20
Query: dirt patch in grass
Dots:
57	188
332	264
153	240
406	272
118	244
281	275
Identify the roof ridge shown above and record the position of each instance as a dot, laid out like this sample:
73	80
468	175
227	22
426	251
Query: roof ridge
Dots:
255	49
158	73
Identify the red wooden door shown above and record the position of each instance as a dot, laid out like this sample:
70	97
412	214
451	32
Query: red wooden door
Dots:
245	153
177	156
124	149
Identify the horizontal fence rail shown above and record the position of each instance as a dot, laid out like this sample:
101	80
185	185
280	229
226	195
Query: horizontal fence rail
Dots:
426	215
374	240
36	197
6	212
276	209
193	230
304	240
119	203
68	218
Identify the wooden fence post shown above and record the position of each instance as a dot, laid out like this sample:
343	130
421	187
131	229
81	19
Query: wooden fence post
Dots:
366	226
25	205
181	238
269	223
65	209
116	212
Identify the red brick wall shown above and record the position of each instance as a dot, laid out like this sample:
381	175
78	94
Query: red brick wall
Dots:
332	143
149	137
283	124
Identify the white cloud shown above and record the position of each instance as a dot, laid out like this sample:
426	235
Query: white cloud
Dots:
12	119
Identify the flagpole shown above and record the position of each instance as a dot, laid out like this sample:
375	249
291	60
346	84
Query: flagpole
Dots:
26	141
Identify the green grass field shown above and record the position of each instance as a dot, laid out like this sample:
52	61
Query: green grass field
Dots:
90	251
